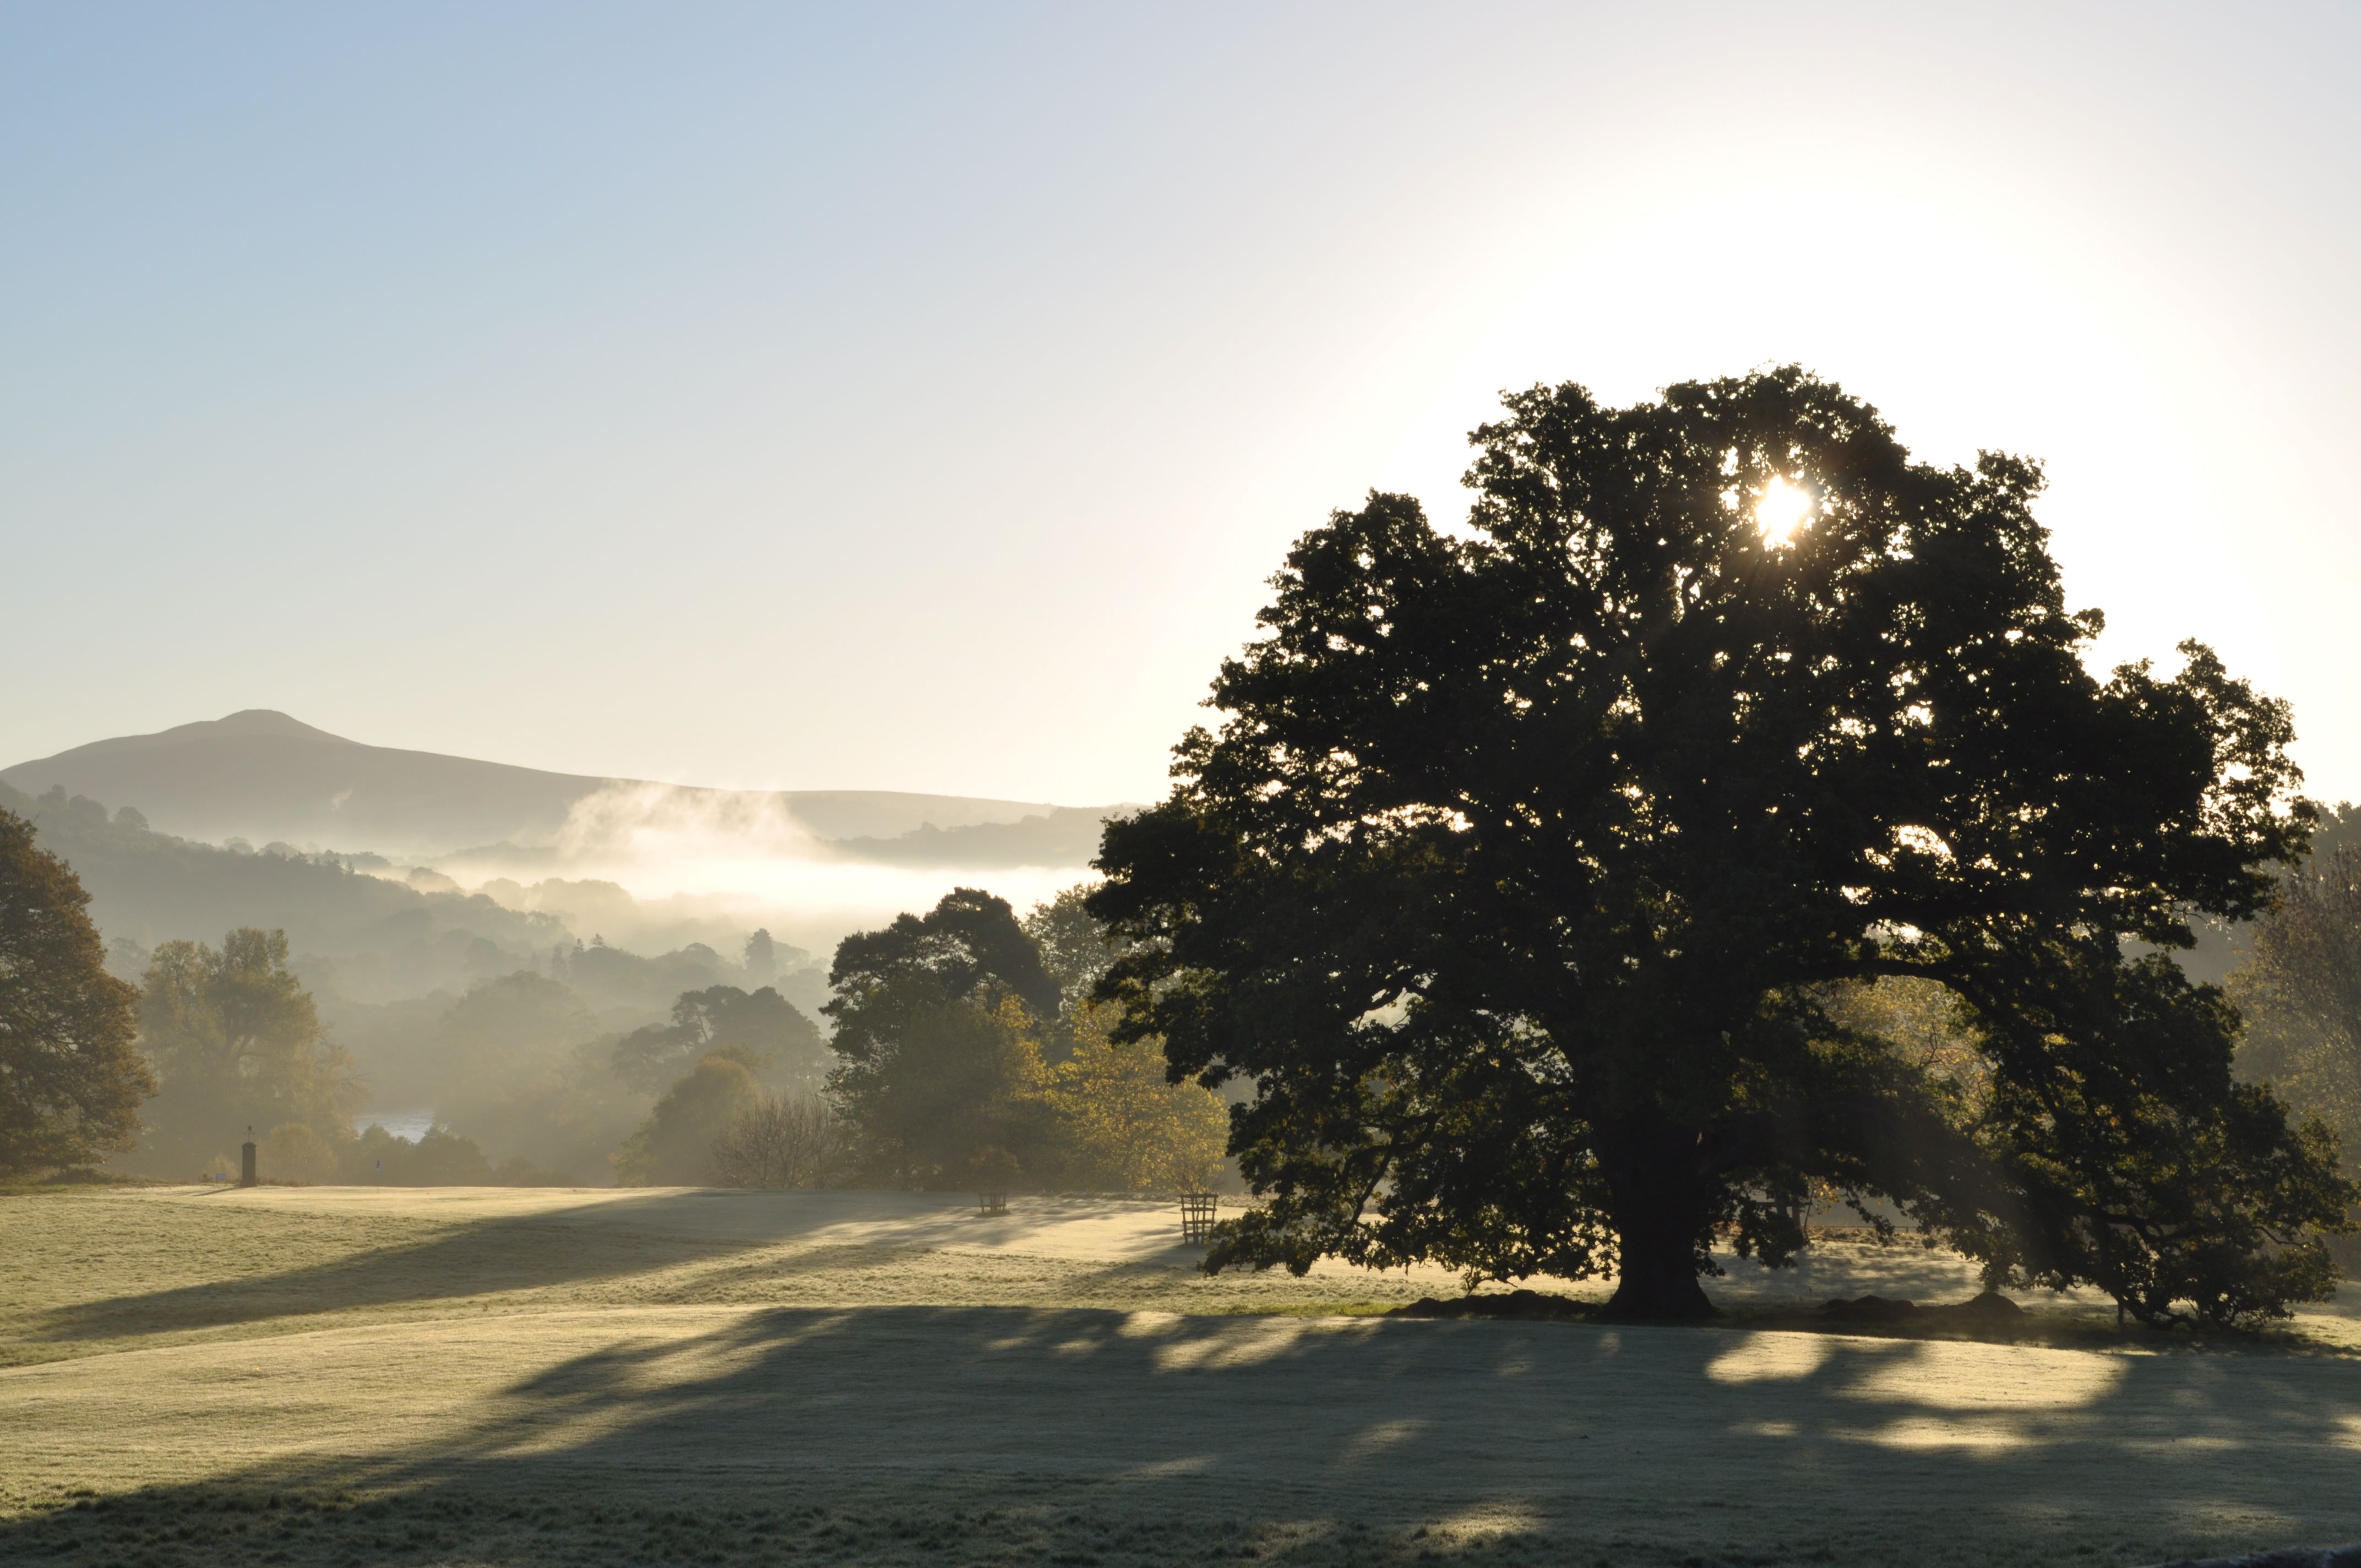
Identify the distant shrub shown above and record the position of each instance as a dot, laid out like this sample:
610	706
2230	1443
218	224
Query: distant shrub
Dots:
674	1146
293	1152
518	1171
439	1158
780	1142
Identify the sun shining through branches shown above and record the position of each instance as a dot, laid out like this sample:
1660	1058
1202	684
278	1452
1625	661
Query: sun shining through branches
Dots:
1729	796
1781	513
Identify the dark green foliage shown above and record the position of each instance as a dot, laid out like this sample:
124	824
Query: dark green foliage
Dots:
1521	861
71	1081
943	1083
939	1062
969	941
2132	1161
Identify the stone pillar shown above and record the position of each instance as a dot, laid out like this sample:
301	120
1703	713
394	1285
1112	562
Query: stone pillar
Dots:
246	1163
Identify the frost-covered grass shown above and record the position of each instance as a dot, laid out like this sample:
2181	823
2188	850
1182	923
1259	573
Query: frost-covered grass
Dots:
521	1377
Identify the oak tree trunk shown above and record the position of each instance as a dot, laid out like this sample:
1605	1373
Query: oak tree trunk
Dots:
1662	1204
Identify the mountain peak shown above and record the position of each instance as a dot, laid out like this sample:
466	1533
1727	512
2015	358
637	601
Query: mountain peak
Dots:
261	774
255	721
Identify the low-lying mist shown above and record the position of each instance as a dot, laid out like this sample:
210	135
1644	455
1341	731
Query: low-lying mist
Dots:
647	865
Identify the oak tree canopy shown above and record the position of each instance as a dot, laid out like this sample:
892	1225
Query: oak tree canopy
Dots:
1528	858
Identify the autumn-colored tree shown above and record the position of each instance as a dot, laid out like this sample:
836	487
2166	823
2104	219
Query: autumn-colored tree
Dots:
70	1079
1128	1127
945	1078
293	1152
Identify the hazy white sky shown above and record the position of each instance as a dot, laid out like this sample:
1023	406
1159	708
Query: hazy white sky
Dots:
908	398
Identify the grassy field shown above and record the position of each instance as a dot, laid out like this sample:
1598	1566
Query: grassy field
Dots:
345	1375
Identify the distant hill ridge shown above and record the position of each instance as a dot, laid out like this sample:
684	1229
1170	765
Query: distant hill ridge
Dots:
262	775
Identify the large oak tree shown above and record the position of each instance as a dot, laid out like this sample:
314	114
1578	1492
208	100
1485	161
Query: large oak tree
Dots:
1528	858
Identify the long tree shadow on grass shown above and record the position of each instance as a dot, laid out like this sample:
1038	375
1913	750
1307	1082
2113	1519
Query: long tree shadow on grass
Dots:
483	1257
803	1235
943	1433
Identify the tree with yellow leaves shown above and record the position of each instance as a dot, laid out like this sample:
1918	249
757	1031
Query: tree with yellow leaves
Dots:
1131	1130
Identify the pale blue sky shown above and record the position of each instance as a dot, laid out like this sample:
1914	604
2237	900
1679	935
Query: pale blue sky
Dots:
916	398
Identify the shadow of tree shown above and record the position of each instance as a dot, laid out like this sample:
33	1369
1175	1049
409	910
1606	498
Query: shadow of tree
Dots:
986	1434
484	1258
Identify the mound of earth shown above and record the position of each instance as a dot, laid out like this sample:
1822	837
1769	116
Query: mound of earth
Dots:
2288	1557
1990	1309
1517	1306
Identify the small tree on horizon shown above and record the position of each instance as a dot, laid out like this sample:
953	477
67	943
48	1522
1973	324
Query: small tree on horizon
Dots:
1520	870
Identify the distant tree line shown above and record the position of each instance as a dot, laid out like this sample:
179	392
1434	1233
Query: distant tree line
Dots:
967	1051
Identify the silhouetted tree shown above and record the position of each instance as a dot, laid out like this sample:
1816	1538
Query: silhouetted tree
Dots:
761	956
939	1021
969	941
1072	944
774	1032
70	1079
1524	853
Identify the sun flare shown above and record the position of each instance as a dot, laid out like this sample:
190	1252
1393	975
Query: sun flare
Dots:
1782	511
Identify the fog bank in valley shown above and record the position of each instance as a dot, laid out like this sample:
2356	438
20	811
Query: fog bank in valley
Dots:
650	865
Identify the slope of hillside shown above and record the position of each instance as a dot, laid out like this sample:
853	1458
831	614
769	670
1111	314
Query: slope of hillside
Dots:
262	775
148	887
358	937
